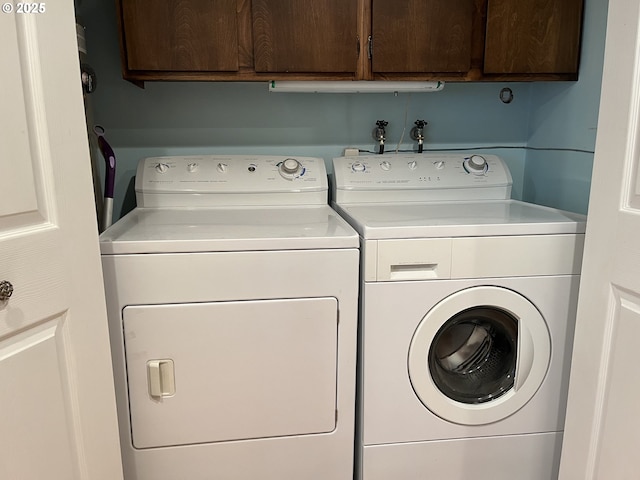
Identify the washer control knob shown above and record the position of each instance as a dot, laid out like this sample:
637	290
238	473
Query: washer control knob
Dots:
162	167
413	165
358	167
290	166
476	165
386	166
192	167
439	164
221	167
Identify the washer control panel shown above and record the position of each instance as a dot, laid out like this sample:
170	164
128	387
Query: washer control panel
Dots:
236	175
427	170
431	173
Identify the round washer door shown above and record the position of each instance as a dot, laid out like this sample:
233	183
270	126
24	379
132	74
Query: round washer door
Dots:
479	355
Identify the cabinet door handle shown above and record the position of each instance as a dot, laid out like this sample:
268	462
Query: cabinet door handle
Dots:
370	47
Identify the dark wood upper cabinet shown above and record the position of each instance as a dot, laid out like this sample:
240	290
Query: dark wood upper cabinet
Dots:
180	35
260	40
533	36
320	36
418	36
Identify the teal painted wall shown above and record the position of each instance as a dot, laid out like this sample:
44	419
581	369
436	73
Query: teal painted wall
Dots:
565	116
168	118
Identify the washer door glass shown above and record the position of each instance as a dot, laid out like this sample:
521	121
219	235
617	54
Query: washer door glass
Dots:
473	356
479	355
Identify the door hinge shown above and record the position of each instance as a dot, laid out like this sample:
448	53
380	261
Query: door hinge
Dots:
370	47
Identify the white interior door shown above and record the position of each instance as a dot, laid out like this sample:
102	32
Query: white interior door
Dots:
57	404
603	426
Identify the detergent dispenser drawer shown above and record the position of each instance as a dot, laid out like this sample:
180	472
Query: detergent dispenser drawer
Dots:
228	371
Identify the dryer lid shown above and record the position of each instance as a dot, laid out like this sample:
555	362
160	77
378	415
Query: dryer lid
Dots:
185	230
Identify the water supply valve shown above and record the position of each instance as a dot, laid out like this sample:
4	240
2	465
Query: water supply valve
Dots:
380	134
417	133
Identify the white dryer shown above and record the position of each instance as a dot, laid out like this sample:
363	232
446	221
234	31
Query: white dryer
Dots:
232	303
468	303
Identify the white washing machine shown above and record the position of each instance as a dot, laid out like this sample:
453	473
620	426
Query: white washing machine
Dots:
468	303
232	303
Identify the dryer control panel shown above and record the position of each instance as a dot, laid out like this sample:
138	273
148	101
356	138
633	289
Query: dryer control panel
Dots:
427	176
212	180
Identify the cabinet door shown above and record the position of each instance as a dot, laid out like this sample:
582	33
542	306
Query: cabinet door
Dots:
297	36
180	35
422	36
533	36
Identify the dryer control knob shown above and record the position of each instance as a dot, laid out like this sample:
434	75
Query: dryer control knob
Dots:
192	167
358	167
386	166
221	167
290	166
413	165
162	167
290	169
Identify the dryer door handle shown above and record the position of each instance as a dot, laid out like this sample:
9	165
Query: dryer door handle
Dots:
161	378
524	356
